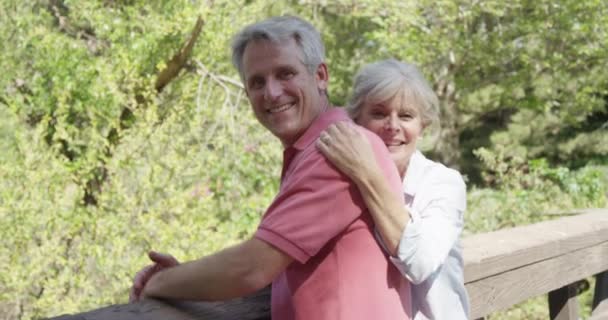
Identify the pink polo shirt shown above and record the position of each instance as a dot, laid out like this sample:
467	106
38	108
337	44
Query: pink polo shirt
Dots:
319	219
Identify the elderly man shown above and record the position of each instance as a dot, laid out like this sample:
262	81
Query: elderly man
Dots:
315	242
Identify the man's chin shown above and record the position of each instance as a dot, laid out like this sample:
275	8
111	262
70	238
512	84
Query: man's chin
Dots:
286	137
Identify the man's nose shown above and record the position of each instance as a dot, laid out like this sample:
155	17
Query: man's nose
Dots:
273	90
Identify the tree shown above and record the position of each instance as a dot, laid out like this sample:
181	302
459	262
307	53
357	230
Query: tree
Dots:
493	65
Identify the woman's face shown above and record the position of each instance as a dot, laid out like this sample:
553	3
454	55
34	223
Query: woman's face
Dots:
397	123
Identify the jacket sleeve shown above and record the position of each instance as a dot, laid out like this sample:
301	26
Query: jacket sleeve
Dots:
435	226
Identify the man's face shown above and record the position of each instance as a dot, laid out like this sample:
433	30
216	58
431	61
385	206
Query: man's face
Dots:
285	97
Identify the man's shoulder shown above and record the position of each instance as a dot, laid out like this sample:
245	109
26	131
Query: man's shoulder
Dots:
310	163
374	140
383	157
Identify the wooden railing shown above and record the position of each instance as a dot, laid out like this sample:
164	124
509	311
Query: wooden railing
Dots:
508	266
502	268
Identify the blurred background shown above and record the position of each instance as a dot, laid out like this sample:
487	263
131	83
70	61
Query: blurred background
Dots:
124	127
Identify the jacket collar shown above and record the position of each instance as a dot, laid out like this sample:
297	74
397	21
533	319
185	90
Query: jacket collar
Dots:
415	170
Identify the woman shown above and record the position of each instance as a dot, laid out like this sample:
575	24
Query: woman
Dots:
393	100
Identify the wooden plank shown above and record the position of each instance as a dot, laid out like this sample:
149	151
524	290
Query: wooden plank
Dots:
495	252
145	310
253	307
563	304
601	313
511	287
502	268
600	297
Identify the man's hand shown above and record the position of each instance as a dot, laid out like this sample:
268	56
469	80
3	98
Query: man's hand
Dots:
161	262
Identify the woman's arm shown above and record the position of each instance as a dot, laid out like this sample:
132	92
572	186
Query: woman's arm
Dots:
418	246
350	151
437	222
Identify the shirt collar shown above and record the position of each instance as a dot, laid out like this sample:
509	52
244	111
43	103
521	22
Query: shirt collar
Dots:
411	182
323	121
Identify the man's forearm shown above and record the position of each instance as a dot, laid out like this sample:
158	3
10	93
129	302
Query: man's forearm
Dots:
230	273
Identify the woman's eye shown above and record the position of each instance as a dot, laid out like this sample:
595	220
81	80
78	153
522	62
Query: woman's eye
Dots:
405	116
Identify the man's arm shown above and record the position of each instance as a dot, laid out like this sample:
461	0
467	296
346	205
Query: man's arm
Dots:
227	274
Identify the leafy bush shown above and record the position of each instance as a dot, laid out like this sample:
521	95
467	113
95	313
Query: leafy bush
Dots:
530	191
98	166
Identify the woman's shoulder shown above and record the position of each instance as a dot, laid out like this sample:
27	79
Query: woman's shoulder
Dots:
437	181
434	172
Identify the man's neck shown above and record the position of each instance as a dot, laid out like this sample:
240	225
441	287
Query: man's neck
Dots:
325	107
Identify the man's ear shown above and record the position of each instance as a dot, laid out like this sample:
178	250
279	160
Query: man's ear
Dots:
322	77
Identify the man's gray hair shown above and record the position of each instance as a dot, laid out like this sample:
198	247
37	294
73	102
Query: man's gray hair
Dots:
380	81
279	29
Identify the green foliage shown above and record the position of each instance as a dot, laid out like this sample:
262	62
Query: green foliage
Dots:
98	167
188	172
530	191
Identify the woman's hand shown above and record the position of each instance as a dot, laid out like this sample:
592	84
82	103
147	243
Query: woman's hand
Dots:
348	149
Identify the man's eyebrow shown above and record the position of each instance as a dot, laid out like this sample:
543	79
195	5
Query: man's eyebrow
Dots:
253	77
285	66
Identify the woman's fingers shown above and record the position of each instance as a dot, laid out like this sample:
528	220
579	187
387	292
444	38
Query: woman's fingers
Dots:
322	147
325	138
334	131
345	127
344	132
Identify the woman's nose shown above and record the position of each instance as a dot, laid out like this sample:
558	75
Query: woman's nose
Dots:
392	123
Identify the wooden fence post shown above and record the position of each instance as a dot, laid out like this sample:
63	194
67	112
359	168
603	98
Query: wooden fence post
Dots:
600	296
563	304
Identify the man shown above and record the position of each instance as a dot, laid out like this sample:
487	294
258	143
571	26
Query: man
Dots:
316	242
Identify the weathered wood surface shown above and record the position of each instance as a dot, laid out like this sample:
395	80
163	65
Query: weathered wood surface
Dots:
254	307
502	268
600	297
507	282
492	253
563	304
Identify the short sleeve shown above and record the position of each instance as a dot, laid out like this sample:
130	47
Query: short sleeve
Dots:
314	205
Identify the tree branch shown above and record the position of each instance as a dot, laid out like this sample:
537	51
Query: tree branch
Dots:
179	59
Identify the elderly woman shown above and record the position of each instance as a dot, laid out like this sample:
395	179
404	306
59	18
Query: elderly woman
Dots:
393	100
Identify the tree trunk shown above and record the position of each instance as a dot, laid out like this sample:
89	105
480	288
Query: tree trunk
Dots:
447	148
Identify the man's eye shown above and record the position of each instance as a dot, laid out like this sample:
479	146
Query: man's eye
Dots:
256	84
285	75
